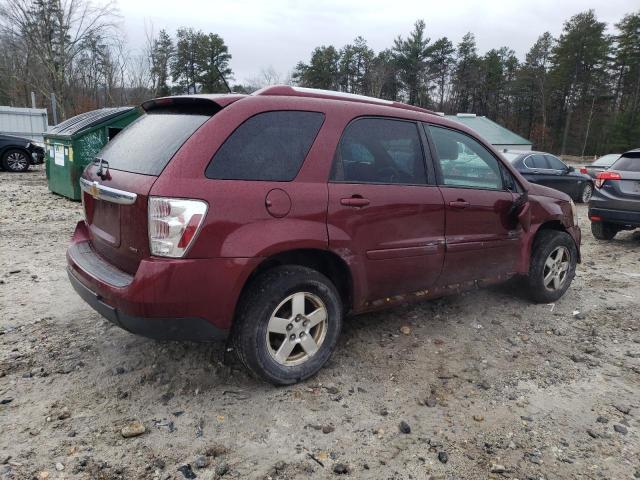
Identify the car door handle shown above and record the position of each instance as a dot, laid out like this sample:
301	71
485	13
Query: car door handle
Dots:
355	201
459	204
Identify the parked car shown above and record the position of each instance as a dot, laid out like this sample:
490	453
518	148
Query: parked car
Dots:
615	204
601	164
548	170
272	216
17	154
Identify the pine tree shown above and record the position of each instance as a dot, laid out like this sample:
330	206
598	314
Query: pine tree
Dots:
161	55
441	62
579	75
466	76
411	57
215	65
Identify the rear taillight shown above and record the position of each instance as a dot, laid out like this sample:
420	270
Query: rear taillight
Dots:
583	170
606	175
173	224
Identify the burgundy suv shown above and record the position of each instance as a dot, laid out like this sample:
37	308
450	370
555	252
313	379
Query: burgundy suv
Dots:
272	216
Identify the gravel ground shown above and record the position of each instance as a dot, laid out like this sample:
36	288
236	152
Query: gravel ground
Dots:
480	385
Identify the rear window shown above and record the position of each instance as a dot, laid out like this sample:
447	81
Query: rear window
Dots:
147	145
606	160
627	164
270	146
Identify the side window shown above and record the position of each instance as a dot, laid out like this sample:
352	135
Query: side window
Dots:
464	162
269	146
378	150
555	163
536	161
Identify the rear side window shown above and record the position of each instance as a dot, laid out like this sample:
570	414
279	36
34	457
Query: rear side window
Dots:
378	150
627	164
555	163
536	161
147	145
270	146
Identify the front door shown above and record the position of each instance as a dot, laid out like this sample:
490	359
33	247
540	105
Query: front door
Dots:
383	215
482	234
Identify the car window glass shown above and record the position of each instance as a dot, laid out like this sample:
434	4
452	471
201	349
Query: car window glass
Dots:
627	164
379	150
536	161
465	162
147	145
555	163
269	146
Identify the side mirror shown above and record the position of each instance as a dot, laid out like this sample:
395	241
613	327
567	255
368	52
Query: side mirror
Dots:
570	169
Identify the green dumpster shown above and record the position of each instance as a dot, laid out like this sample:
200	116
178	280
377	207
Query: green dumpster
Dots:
73	144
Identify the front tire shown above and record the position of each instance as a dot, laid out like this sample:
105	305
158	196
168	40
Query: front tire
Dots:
15	160
553	266
603	230
288	324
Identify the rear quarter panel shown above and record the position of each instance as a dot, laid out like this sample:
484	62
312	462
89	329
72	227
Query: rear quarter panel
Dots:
238	223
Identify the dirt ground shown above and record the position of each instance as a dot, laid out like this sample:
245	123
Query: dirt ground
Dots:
489	385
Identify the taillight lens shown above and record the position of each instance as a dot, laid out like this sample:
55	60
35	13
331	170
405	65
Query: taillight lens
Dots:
606	175
173	224
584	170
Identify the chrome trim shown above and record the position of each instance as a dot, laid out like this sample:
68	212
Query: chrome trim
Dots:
108	194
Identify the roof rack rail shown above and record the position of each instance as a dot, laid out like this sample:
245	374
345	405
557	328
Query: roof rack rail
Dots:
290	91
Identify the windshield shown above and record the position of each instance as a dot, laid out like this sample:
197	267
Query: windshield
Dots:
606	159
147	145
627	164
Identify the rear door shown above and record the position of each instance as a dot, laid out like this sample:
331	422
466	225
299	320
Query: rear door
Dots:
383	214
482	235
116	185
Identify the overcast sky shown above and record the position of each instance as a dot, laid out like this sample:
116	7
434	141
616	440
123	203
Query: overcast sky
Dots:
279	33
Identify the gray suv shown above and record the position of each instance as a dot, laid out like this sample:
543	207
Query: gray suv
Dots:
615	204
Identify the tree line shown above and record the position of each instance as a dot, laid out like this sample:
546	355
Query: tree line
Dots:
575	94
578	93
76	51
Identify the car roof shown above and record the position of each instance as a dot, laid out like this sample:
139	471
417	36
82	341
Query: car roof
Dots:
13	137
632	153
290	91
289	97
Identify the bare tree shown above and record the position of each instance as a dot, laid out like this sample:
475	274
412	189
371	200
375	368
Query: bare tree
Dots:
56	33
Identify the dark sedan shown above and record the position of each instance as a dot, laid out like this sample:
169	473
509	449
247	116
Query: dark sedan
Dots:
548	170
17	153
615	204
601	164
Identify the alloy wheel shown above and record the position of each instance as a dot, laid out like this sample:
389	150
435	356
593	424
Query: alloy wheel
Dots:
556	268
586	193
17	161
297	328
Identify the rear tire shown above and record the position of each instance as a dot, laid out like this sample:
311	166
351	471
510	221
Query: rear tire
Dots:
585	193
278	333
603	230
553	265
15	160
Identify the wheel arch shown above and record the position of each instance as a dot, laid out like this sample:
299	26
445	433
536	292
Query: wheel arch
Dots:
326	262
552	224
8	148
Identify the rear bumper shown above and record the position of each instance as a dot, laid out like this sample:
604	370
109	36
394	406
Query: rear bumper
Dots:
194	329
192	299
621	217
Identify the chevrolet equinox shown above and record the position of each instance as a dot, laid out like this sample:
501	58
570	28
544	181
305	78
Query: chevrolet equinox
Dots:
269	217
